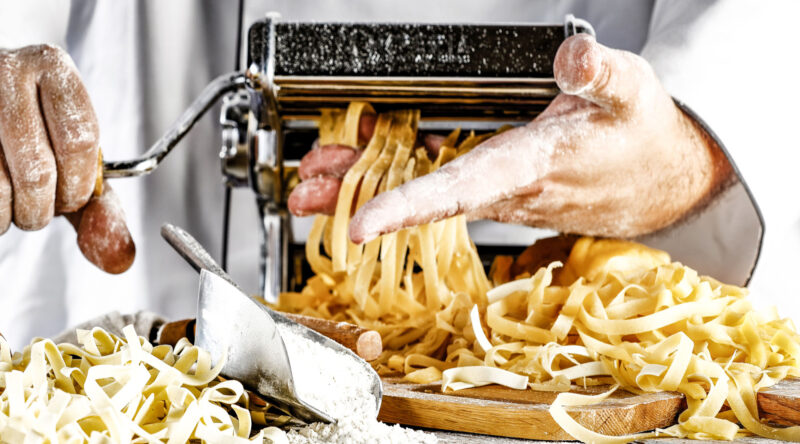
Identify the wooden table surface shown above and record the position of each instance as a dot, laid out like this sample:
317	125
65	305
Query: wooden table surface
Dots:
469	438
780	404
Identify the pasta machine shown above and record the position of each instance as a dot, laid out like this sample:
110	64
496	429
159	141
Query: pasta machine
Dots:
476	77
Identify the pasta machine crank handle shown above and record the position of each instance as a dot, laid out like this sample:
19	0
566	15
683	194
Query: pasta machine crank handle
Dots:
152	157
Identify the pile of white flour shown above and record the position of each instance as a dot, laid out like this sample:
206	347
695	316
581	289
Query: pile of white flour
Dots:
339	386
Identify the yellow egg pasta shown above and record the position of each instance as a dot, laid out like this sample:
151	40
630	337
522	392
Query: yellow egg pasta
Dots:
647	324
414	287
119	390
619	314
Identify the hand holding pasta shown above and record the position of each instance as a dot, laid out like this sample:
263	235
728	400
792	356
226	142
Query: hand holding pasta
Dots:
611	156
49	154
323	168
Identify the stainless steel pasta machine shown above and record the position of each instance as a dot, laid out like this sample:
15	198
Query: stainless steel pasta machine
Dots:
477	77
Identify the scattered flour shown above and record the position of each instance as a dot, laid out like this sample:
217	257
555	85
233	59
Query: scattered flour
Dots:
337	385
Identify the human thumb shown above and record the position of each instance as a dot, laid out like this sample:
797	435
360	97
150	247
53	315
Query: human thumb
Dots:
103	236
607	77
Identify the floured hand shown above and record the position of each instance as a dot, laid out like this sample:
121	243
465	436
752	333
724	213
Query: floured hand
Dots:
48	155
611	156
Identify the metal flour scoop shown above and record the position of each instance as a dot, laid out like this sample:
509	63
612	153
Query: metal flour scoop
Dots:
230	323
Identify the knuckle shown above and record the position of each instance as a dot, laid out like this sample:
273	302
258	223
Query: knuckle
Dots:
48	56
82	140
38	177
14	63
51	51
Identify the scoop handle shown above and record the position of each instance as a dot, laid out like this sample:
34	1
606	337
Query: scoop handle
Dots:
365	343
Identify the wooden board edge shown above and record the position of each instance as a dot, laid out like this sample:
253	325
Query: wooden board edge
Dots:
529	421
780	404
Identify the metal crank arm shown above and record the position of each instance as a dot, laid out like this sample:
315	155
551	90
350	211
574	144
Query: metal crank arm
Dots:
152	157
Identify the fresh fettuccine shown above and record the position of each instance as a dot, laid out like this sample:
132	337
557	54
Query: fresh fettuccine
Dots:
412	286
119	390
623	314
619	313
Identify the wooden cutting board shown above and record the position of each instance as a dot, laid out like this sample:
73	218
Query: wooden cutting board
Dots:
500	411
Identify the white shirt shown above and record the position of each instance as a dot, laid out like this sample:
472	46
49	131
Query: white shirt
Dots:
144	61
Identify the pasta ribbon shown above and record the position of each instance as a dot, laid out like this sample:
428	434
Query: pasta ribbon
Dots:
630	316
416	286
618	313
120	390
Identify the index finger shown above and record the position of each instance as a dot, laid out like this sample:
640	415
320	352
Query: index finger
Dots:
495	170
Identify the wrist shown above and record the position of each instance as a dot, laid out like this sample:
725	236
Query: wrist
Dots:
721	234
715	167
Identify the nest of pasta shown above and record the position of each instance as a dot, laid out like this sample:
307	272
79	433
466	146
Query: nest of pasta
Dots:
113	389
616	313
